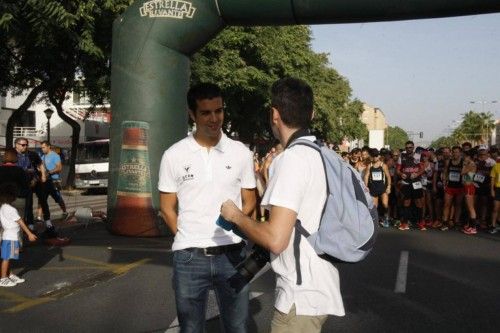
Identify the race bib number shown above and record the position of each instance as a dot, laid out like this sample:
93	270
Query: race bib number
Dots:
417	185
454	177
424	181
377	176
479	178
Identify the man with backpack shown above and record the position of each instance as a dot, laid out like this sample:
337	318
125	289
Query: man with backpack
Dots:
307	286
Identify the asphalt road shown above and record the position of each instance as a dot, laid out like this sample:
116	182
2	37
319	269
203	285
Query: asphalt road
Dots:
412	282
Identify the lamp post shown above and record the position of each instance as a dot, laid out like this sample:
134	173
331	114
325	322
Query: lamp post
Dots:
483	103
48	113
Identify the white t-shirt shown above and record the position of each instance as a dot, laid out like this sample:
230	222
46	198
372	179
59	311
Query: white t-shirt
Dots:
203	179
9	217
298	182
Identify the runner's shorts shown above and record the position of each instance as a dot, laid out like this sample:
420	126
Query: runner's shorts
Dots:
10	249
469	189
454	191
409	192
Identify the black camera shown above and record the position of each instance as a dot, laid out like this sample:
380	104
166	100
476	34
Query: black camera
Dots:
248	268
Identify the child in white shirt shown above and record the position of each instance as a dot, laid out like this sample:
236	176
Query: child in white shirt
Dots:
12	223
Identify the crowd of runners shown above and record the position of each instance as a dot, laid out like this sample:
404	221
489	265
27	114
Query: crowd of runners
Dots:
425	188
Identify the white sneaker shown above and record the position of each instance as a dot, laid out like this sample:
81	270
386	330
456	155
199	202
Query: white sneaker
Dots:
6	282
16	279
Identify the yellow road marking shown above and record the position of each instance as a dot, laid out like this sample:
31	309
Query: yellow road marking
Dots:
91	261
28	304
70	268
13	297
125	268
24	303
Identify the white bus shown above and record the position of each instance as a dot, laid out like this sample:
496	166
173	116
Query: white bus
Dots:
92	164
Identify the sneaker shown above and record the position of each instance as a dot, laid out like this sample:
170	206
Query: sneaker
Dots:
421	226
385	223
6	282
437	224
444	227
493	230
16	279
469	230
403	226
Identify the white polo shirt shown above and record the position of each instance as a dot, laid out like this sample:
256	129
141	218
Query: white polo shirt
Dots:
8	218
297	182
203	179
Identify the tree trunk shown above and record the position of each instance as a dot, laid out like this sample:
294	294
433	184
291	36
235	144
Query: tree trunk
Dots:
75	137
17	114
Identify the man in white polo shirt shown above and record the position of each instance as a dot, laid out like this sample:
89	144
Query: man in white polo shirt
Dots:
296	190
197	174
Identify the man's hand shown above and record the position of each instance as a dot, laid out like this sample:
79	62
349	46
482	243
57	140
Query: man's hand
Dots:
32	237
230	211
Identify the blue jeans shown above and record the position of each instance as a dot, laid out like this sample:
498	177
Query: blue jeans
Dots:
194	275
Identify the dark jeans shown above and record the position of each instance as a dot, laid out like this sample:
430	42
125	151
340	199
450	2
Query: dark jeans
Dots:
42	195
194	275
28	207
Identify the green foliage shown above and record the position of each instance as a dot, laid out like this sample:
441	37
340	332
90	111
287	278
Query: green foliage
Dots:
445	141
475	127
245	62
396	137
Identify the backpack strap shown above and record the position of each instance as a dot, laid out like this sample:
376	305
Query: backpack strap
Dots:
299	229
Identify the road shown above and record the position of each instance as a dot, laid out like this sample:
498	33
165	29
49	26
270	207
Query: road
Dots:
412	282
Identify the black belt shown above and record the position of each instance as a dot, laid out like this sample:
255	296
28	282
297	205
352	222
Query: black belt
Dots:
216	250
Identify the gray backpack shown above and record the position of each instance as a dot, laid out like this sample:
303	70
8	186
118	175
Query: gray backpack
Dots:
348	225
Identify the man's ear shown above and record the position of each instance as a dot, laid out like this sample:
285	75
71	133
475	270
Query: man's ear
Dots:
275	115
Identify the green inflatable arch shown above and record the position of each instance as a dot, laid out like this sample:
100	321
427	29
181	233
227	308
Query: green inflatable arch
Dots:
152	43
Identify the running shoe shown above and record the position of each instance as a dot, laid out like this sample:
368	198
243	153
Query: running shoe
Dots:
6	282
437	224
404	226
493	230
469	230
421	225
385	223
444	227
16	279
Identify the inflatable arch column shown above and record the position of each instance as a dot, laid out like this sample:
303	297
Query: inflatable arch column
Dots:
152	42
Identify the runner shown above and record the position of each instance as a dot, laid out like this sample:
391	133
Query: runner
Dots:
454	190
410	170
438	187
378	181
468	172
427	177
482	179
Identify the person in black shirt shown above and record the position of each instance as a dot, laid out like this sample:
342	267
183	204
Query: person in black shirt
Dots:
11	173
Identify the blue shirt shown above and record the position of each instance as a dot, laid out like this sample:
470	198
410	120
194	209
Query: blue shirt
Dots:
50	160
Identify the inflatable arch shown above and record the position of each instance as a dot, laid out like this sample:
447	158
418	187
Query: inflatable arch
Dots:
152	43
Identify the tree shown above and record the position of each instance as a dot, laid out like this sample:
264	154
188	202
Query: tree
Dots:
444	141
396	137
53	47
246	61
475	127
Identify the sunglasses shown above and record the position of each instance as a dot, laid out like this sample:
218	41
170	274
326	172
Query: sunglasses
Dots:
23	144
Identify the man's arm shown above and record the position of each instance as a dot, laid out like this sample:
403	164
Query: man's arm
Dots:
273	235
249	201
168	208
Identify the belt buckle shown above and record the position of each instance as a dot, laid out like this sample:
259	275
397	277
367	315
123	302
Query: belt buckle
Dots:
206	253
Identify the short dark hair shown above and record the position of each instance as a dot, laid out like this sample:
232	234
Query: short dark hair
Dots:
293	98
47	143
409	143
16	141
202	91
8	193
374	152
456	147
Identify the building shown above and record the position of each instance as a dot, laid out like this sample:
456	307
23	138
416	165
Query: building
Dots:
376	124
33	124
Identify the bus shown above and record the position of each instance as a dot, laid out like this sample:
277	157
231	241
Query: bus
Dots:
92	164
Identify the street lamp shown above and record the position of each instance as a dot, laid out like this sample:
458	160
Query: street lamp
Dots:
483	103
48	113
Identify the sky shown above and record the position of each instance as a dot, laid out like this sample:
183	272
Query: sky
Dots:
422	74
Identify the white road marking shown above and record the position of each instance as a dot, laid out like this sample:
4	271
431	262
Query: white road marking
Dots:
212	310
402	273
